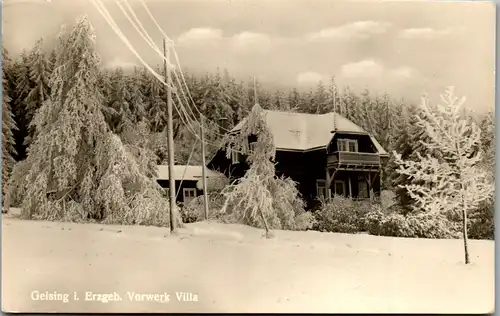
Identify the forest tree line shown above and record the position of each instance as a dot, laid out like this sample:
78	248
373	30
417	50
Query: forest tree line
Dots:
133	105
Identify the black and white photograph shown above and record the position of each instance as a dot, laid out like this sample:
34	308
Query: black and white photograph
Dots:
248	156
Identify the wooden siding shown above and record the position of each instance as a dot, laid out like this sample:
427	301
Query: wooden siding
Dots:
305	168
353	159
188	184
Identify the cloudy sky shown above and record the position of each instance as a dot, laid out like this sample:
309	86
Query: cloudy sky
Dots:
405	48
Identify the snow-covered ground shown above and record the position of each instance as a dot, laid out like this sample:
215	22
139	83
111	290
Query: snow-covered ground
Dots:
232	269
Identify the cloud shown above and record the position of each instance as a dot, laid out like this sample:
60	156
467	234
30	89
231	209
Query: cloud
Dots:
355	30
364	68
310	77
403	72
244	42
201	35
250	42
424	33
120	63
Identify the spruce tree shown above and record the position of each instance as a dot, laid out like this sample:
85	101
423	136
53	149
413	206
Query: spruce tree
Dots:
294	100
8	125
19	94
280	101
260	198
76	168
136	98
322	99
119	105
40	73
402	145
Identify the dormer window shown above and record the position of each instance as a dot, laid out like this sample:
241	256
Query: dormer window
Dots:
235	157
350	145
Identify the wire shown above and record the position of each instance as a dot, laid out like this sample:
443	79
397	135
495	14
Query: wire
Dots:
140	29
138	26
154	20
185	169
144	34
213	132
176	58
187	88
105	13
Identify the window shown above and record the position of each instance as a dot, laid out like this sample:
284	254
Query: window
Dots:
340	188
321	188
347	145
235	157
189	194
251	146
362	189
353	146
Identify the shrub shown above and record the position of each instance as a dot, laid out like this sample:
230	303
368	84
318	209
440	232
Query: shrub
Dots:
194	211
373	221
341	215
420	225
433	226
304	221
396	225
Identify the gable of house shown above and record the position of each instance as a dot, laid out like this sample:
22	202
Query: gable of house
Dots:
190	173
302	132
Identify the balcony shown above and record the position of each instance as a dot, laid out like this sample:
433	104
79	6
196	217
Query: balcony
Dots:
353	160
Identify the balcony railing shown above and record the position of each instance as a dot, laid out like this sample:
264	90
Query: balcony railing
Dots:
345	158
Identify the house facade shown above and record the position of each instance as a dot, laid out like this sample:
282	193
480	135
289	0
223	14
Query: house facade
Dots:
327	155
188	183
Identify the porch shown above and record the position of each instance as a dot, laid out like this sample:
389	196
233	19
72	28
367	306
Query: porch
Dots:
353	160
359	184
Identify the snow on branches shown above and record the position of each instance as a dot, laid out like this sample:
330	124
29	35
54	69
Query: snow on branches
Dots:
76	168
452	180
259	197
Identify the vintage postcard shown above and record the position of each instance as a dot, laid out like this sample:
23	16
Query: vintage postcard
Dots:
237	156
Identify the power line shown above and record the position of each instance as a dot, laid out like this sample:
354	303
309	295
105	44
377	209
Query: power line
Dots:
105	13
154	20
107	16
187	89
138	27
176	58
144	34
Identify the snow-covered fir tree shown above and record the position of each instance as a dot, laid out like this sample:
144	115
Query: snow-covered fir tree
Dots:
119	104
39	72
261	198
8	125
76	168
452	181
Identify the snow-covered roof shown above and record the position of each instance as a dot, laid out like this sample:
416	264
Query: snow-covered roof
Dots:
300	131
193	173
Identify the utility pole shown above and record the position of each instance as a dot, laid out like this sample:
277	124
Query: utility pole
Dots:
170	136
205	189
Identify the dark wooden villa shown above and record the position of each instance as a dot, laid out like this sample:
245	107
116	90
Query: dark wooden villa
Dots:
189	180
318	152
